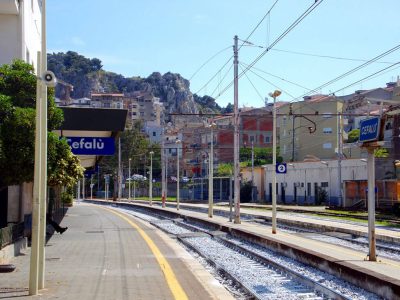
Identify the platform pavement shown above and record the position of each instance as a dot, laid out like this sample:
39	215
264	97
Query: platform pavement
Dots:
101	257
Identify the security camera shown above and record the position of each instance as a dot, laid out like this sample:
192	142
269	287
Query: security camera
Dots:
49	79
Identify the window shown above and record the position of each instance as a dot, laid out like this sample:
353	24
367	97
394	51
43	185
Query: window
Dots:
252	139
142	114
267	139
327	145
154	133
324	184
327	130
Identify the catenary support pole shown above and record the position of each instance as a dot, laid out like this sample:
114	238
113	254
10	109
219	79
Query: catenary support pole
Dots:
211	174
236	170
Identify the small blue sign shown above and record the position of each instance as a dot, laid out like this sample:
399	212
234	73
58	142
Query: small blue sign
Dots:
369	129
91	145
281	168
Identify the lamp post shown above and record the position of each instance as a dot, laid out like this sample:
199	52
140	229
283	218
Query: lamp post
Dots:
151	179
177	142
129	183
211	172
252	171
275	94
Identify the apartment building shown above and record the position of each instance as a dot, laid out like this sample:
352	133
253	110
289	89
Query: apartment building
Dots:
20	34
310	128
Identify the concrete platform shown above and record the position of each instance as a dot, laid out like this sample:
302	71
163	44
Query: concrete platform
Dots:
104	255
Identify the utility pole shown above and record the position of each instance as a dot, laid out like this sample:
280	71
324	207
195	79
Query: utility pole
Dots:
211	173
275	94
119	171
130	179
151	179
252	171
236	134
340	153
371	204
163	169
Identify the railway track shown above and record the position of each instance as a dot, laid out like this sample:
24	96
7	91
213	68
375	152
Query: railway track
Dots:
246	267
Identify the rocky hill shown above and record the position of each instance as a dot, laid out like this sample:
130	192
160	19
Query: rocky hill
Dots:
87	75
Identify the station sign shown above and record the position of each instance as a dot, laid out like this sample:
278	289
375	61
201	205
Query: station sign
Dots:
91	145
281	168
369	129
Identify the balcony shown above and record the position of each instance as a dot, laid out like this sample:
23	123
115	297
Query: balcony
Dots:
9	7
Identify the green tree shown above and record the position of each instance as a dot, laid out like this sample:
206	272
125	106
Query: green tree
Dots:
354	135
17	126
224	170
135	146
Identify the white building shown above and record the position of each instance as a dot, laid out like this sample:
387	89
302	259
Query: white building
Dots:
20	30
303	181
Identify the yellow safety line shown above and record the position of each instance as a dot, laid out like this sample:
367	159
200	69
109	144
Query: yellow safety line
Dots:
172	281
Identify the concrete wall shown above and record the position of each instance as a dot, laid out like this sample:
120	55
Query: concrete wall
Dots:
258	181
19	202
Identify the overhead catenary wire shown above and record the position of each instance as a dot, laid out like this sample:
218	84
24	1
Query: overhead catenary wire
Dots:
208	60
327	56
258	93
272	84
353	70
276	41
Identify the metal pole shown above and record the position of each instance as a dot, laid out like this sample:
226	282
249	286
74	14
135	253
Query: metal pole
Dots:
274	95
119	170
130	179
236	134
163	170
230	198
340	159
151	179
33	272
371	204
210	176
177	176
43	164
252	170
134	190
293	118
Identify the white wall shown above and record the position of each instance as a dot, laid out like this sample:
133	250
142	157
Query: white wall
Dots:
314	172
20	34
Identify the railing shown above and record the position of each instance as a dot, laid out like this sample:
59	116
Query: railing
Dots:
10	234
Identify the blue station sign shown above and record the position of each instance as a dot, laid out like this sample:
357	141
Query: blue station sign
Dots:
369	129
91	145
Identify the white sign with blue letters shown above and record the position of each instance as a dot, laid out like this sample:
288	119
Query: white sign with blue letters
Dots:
369	129
91	145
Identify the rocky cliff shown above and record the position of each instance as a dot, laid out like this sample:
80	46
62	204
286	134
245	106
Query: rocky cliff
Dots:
87	75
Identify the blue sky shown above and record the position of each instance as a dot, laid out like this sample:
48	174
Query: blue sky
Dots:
136	38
